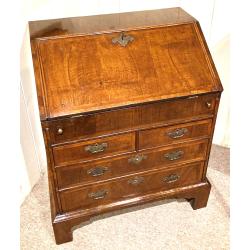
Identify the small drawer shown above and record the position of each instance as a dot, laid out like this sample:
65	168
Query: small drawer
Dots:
131	118
93	149
172	134
133	186
100	170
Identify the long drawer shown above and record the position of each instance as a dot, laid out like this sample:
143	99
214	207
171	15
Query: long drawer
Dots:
108	192
147	115
94	149
100	170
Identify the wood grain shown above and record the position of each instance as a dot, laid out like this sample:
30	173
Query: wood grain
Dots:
74	26
63	225
41	96
133	118
156	137
109	112
90	73
77	152
78	174
121	189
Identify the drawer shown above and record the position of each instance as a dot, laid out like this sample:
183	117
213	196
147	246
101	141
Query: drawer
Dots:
137	117
93	149
101	170
174	134
99	194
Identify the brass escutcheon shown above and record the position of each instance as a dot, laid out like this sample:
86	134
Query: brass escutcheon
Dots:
136	180
137	159
122	39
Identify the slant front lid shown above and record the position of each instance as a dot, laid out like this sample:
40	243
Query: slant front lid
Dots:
84	73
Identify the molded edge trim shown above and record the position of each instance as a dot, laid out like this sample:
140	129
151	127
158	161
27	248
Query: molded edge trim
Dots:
187	192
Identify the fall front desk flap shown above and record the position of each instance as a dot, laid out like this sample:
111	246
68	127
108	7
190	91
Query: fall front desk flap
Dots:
85	64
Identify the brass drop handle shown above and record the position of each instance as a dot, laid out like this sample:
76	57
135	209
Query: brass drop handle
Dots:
137	159
136	180
171	178
209	105
177	133
98	195
96	148
172	156
60	131
97	171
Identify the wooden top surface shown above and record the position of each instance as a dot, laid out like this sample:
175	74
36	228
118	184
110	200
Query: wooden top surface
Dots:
77	72
108	22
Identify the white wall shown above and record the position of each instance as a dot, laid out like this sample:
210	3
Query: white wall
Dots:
219	43
221	54
214	22
31	138
30	165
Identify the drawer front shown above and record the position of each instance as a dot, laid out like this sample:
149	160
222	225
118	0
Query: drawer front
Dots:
146	115
132	163
174	134
93	149
132	186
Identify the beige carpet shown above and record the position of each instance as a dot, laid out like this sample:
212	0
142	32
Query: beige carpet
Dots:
162	225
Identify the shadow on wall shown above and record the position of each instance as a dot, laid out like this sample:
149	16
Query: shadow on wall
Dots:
31	139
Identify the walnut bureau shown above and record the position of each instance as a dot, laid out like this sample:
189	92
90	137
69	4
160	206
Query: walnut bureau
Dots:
128	105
